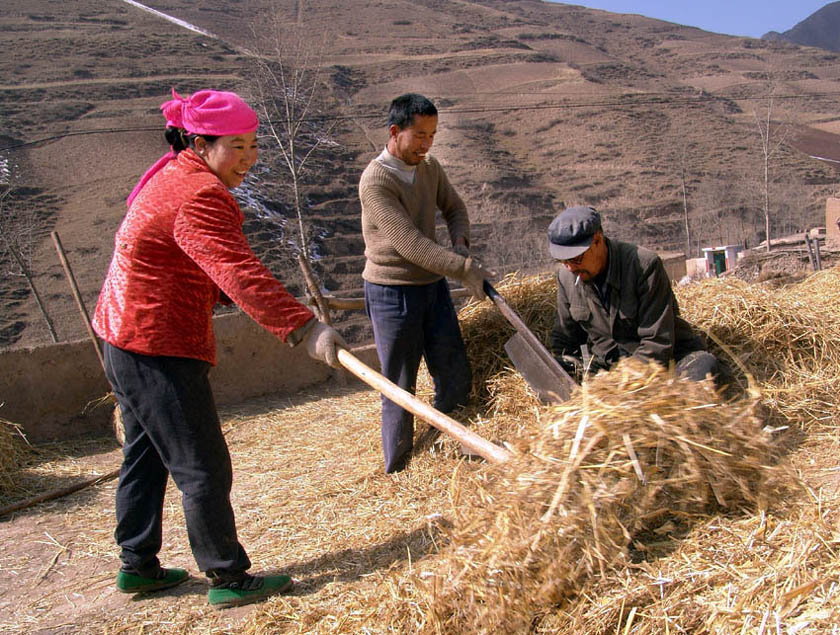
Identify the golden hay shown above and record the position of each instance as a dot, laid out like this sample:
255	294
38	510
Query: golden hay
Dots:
640	506
787	338
634	450
14	452
727	575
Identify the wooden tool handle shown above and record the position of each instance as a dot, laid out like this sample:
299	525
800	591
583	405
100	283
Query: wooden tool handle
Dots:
71	279
473	442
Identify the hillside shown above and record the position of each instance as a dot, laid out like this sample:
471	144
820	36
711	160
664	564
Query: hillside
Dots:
820	29
541	105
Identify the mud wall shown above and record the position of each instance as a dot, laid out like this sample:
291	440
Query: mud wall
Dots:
51	390
675	265
832	215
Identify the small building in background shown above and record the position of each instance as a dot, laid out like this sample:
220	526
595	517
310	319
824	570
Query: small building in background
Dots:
695	268
720	259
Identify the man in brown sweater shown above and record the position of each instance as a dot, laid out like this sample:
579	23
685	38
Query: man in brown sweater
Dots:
406	294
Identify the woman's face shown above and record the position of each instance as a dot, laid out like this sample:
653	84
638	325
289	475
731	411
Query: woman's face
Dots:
229	157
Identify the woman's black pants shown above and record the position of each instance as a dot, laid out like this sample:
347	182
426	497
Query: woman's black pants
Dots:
172	427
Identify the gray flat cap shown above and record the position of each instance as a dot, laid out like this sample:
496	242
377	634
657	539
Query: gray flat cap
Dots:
571	231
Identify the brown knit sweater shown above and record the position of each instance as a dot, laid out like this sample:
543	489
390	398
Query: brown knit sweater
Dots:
398	225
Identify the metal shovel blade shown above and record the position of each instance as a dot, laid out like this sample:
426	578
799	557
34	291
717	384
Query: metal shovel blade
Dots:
550	388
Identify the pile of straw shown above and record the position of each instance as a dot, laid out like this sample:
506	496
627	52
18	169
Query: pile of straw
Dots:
786	338
759	573
14	453
645	504
635	450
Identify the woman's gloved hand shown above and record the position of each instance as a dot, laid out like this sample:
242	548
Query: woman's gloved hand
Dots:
321	341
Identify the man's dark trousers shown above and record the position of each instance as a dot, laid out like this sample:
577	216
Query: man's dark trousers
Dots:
409	323
171	427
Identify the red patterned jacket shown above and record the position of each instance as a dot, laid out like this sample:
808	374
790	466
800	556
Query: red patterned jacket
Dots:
179	244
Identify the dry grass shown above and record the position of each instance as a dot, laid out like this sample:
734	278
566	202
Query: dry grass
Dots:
486	330
645	504
755	573
634	451
786	338
14	451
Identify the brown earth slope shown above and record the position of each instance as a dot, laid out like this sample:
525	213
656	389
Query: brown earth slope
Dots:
541	105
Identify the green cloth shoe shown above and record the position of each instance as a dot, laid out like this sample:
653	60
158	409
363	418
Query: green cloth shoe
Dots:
165	579
250	588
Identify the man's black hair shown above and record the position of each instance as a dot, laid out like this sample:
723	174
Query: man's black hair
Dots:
405	107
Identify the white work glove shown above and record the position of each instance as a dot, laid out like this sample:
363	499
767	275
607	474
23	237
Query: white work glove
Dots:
474	276
321	342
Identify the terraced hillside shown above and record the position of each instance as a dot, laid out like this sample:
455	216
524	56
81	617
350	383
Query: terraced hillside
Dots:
542	105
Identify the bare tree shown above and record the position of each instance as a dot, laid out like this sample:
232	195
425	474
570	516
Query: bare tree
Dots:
676	151
516	243
682	163
18	234
772	136
288	81
722	213
794	211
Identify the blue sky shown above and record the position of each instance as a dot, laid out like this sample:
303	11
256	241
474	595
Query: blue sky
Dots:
752	18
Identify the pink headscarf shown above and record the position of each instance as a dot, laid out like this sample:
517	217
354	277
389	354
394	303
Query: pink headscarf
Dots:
207	112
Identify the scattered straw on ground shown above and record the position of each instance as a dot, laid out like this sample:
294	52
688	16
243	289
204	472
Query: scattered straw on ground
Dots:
486	330
635	450
14	451
646	504
787	338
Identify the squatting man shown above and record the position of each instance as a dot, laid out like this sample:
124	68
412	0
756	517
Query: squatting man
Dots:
615	300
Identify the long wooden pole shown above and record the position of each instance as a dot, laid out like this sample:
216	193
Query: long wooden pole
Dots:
320	302
473	442
40	498
810	252
817	253
78	296
469	439
315	292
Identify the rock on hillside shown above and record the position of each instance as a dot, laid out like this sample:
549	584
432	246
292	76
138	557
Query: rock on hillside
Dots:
820	29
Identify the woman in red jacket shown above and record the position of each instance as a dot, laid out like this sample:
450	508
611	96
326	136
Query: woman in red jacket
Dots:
178	249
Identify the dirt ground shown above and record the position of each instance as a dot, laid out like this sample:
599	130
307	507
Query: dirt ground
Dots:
299	465
309	494
310	501
542	105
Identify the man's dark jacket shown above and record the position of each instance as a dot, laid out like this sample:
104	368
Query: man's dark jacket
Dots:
643	316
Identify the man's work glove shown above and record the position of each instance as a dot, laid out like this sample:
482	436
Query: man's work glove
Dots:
474	276
596	364
321	342
572	365
462	250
